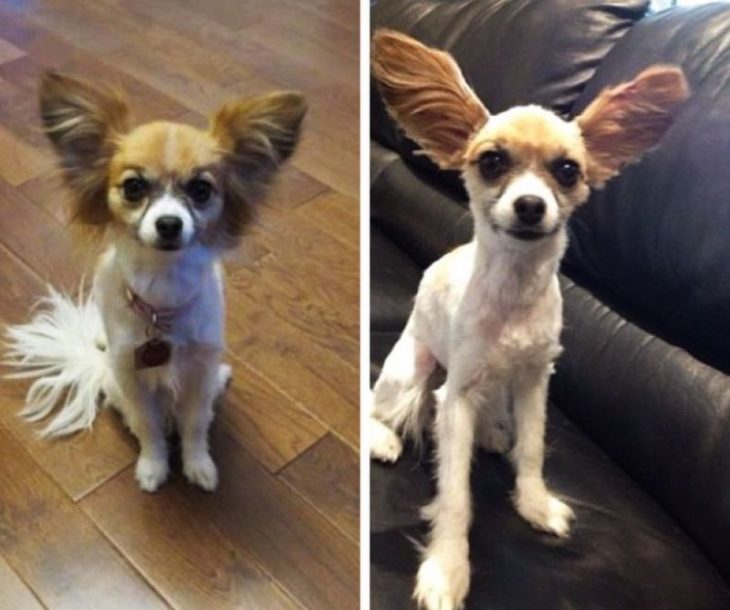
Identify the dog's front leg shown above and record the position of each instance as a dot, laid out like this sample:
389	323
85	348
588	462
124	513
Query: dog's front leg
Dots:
196	414
145	419
532	499
443	578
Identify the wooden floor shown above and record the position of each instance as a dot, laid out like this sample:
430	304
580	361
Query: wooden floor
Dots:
282	530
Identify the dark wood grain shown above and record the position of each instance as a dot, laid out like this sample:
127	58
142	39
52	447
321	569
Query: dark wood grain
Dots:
75	531
326	386
272	427
54	547
327	475
310	559
181	551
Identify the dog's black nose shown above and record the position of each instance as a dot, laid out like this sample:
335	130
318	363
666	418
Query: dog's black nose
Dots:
529	209
169	227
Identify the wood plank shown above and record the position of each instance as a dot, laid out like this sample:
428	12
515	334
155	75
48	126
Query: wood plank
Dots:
15	593
80	463
293	187
344	14
312	45
8	51
45	50
324	315
312	375
20	161
21	287
146	103
48	193
328	475
340	172
338	213
311	279
165	60
312	252
271	426
70	21
234	15
33	227
179	550
54	548
293	544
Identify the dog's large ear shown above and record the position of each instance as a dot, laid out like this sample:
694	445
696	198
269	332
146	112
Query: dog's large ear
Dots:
426	93
82	120
625	121
256	135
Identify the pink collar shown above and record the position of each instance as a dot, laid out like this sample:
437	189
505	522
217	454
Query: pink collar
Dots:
160	319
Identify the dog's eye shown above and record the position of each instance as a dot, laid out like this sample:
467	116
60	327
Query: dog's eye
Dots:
199	190
135	189
566	172
493	163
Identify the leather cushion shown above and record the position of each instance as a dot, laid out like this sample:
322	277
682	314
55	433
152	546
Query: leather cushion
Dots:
419	215
658	412
624	551
394	280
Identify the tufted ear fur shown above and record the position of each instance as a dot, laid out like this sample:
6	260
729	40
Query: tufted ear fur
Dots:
81	120
426	93
625	121
256	136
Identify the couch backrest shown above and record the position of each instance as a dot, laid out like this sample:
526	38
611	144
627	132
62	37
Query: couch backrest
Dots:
655	244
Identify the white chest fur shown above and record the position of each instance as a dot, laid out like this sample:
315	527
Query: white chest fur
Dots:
493	310
191	284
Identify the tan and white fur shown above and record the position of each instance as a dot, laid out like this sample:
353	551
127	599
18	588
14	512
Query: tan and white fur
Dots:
490	312
169	200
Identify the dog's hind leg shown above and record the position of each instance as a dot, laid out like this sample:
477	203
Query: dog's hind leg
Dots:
399	396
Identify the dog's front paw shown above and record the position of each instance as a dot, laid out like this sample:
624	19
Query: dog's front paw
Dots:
201	470
443	579
151	472
384	443
544	511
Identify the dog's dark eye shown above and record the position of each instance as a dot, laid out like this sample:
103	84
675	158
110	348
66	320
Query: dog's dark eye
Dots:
566	172
199	190
135	189
493	163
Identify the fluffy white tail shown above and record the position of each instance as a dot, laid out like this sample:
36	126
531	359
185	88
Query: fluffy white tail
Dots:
59	349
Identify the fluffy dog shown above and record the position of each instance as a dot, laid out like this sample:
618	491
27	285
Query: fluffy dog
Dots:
490	312
170	200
